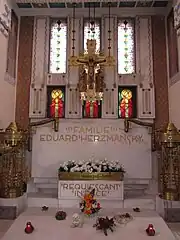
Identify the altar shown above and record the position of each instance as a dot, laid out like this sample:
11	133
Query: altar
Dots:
84	109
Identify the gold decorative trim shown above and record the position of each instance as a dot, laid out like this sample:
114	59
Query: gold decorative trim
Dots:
78	176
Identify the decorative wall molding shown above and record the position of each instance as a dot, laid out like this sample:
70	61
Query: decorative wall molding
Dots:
72	106
144	41
105	34
78	29
37	101
110	103
41	32
73	72
110	76
56	79
39	67
128	79
146	100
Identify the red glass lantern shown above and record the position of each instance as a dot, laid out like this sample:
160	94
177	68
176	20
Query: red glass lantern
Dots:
150	230
29	228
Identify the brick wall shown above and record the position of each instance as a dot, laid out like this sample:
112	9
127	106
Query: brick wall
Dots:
160	71
24	71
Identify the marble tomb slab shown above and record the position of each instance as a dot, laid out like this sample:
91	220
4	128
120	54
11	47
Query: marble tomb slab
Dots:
46	226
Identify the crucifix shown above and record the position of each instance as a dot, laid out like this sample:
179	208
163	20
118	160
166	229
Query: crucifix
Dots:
92	61
90	75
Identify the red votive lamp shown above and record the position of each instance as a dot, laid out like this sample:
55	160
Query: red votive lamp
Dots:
29	228
150	230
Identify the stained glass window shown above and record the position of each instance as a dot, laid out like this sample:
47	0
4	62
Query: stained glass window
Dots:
92	109
127	102
58	47
92	31
126	46
56	102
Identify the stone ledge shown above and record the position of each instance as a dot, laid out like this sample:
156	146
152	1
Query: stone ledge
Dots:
19	204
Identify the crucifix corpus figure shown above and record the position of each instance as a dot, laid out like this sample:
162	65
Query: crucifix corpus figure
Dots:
91	60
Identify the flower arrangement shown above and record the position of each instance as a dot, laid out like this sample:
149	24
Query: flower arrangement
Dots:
89	204
60	215
91	166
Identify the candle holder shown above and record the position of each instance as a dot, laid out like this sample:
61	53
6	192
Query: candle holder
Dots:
29	228
150	230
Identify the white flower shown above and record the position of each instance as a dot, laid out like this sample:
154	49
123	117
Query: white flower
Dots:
104	168
77	169
91	165
65	168
90	170
64	164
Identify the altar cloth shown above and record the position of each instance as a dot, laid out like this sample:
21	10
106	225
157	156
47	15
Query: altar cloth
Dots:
47	227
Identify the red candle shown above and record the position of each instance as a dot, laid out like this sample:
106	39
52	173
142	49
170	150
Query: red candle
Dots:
150	230
29	228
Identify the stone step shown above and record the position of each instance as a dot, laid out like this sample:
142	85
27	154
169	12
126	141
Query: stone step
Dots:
45	180
47	185
40	199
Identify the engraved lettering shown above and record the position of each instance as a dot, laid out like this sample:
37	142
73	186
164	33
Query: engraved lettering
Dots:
42	137
65	186
101	190
90	138
93	134
49	137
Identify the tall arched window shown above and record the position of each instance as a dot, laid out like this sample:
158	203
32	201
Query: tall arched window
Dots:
58	47
94	34
126	46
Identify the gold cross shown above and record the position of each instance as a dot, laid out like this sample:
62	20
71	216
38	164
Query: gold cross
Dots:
91	59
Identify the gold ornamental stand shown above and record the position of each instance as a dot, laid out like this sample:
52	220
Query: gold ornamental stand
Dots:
169	167
14	173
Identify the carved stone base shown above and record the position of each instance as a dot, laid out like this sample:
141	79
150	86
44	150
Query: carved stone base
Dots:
173	215
11	208
8	212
